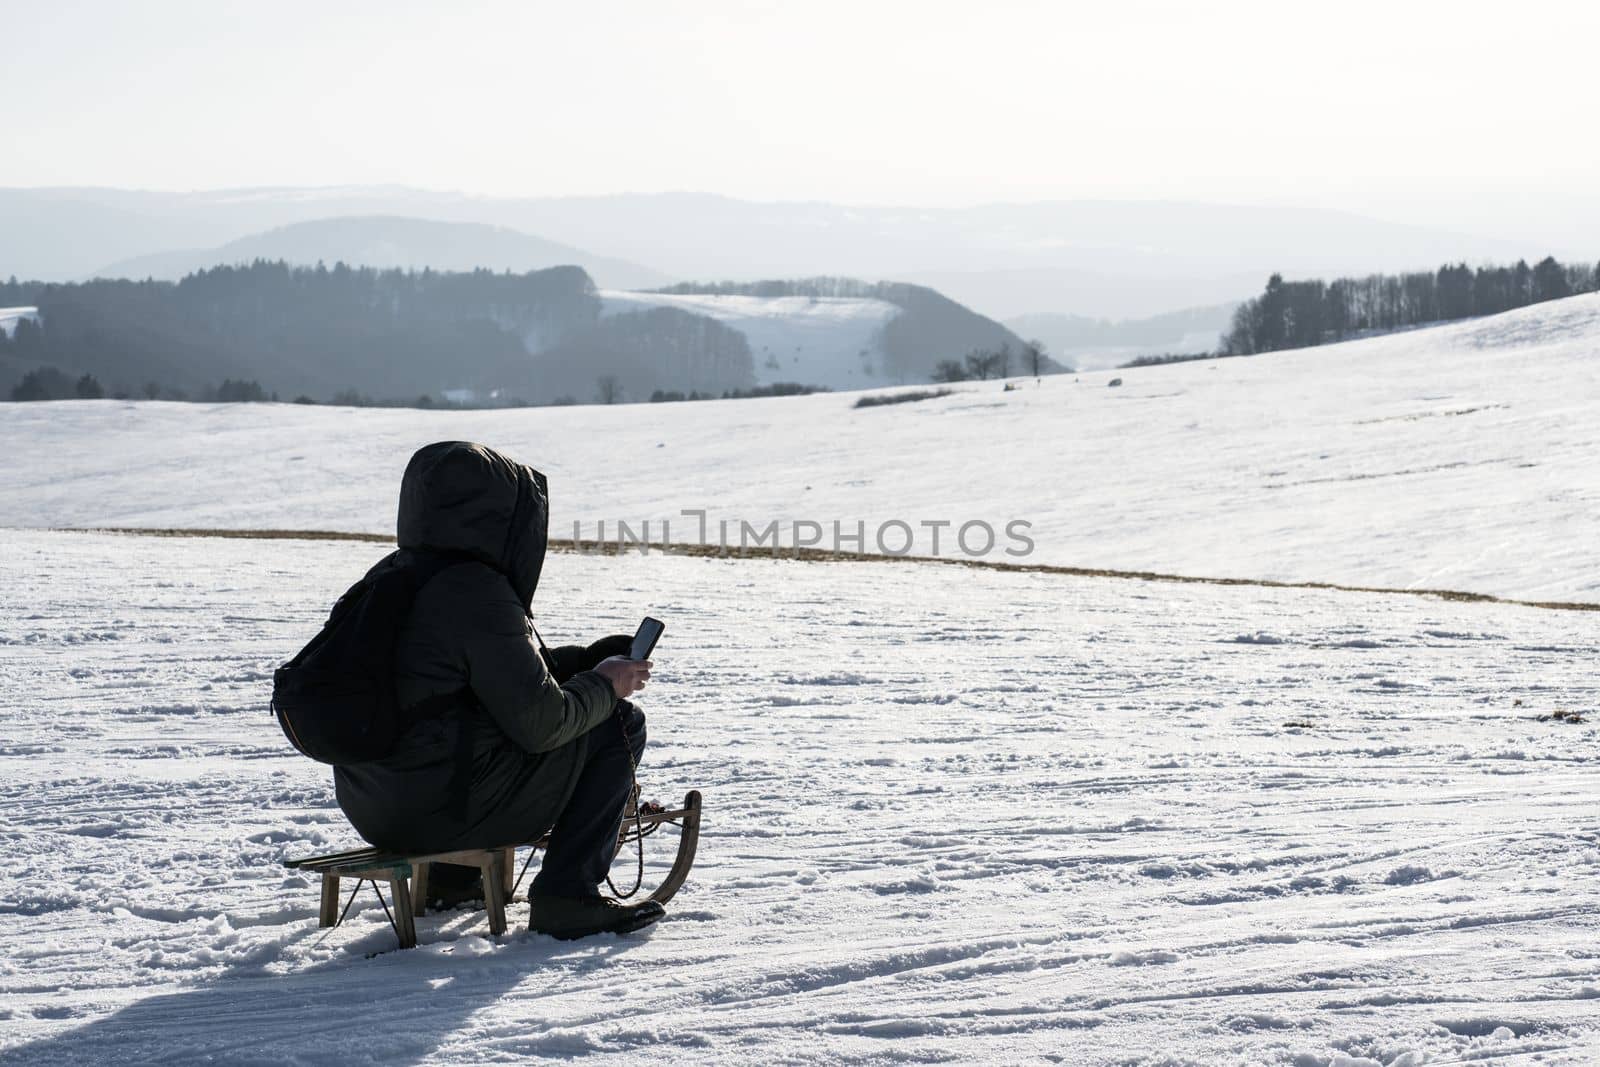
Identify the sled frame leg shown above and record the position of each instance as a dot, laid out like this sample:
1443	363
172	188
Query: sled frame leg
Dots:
328	913
688	842
419	887
494	885
404	921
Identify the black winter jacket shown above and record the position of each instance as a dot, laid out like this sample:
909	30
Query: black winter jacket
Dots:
499	765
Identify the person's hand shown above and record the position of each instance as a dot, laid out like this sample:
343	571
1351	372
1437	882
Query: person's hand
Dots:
627	676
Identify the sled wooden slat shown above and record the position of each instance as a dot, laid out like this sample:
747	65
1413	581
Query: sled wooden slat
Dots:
408	875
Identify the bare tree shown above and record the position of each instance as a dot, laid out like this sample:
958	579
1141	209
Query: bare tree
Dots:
983	364
949	370
1033	355
607	389
979	364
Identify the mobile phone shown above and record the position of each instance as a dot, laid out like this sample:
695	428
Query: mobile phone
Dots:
644	642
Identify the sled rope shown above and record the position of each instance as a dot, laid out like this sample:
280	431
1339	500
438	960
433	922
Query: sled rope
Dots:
638	805
639	833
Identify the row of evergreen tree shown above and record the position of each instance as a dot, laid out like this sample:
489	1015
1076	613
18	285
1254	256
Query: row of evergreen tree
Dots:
1305	313
48	383
669	396
299	330
345	334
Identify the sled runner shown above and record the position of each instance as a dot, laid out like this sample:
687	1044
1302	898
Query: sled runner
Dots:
407	875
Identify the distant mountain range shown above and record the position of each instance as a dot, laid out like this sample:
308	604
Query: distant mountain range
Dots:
386	241
1102	259
1087	294
1094	344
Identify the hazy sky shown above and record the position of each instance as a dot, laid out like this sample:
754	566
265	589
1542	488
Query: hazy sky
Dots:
1447	107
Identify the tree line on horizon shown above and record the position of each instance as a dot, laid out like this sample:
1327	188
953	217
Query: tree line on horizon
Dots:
49	383
352	335
1301	314
348	335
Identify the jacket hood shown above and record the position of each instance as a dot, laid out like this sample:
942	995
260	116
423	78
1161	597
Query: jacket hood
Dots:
465	498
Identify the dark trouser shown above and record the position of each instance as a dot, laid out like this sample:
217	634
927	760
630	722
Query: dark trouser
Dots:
583	841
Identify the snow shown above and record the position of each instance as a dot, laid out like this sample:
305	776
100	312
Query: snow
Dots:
1459	458
9	317
1017	816
952	813
829	341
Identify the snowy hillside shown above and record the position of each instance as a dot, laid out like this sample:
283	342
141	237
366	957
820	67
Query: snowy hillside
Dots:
835	342
9	317
1460	457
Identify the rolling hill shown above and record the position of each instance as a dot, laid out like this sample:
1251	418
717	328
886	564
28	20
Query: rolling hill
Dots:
1103	259
541	337
1097	344
1456	457
389	242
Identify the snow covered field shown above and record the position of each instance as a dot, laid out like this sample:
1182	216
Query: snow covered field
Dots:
952	815
831	341
1460	457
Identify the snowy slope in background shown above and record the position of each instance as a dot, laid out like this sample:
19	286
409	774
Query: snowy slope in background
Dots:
9	317
829	341
1459	457
952	816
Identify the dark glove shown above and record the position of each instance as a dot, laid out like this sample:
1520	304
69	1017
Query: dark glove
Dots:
568	660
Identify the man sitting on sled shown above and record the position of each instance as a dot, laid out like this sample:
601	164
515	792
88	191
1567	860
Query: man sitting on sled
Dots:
512	745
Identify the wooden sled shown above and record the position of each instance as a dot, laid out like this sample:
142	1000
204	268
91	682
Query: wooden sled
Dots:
407	875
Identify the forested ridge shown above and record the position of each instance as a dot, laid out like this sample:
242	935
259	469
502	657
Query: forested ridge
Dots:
390	335
1301	314
423	337
420	337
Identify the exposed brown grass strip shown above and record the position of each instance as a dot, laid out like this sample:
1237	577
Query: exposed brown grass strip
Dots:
819	555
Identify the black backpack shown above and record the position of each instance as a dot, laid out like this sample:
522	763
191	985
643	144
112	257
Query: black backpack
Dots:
336	699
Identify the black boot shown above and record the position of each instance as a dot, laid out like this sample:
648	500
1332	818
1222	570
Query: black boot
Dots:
451	885
569	918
